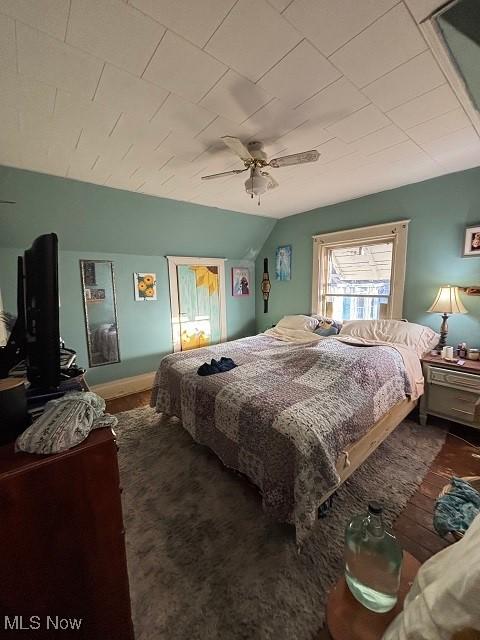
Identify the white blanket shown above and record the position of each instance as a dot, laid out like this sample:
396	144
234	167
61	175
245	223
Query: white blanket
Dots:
445	597
298	336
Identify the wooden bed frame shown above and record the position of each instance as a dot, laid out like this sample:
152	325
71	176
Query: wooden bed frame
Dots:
354	455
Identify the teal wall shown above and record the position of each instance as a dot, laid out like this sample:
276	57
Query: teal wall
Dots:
439	210
136	232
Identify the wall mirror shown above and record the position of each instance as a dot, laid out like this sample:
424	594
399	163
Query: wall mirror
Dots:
98	288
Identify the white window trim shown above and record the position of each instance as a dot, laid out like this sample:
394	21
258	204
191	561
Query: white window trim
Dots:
325	241
173	263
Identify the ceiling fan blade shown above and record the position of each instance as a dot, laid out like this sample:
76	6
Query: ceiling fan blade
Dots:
295	158
222	175
7	202
272	184
237	146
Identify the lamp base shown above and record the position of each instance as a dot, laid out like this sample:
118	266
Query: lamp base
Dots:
443	333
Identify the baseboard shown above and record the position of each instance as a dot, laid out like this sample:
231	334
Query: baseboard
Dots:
125	386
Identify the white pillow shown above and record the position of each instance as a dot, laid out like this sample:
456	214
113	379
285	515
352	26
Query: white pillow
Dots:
414	336
302	323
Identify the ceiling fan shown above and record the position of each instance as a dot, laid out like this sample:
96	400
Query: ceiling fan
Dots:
255	159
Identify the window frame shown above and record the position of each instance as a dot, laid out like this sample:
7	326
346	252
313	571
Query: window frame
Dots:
353	237
173	263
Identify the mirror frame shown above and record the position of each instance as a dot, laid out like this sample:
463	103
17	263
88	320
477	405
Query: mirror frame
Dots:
85	311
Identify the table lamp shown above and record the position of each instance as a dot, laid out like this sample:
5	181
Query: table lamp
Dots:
446	302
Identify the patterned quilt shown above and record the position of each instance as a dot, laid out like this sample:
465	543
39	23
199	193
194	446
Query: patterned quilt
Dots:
285	413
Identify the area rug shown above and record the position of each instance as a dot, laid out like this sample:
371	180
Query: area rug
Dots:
205	563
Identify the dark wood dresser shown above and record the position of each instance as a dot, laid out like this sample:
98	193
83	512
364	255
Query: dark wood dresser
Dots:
62	547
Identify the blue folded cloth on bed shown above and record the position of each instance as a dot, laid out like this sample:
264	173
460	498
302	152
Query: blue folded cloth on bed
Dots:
216	366
456	510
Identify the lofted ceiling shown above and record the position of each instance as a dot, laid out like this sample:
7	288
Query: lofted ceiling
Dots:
135	95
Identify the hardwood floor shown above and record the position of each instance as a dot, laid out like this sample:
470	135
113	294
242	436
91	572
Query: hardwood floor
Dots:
414	527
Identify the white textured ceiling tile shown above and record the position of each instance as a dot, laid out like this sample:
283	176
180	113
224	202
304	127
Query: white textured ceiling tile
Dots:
415	77
124	91
381	139
452	144
421	9
143	134
440	126
180	115
136	157
346	163
279	5
386	44
23	93
333	103
332	150
56	63
11	149
98	118
8	58
114	31
466	159
273	121
359	124
305	137
330	24
300	74
252	38
220	127
108	149
195	21
80	164
47	15
48	130
195	71
403	151
10	119
430	105
235	98
182	146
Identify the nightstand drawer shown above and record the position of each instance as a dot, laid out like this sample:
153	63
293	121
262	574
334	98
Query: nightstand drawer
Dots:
448	378
452	403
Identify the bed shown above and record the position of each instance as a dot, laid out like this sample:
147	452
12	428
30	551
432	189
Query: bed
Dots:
297	417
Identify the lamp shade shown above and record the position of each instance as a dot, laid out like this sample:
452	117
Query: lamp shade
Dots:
447	301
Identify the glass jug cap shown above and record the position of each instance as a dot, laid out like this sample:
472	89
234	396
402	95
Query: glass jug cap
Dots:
375	508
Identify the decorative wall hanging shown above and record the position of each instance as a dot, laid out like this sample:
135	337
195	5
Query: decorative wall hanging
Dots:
266	285
145	286
472	241
240	282
89	274
283	263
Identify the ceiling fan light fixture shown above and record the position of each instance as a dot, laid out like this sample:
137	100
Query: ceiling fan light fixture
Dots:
256	184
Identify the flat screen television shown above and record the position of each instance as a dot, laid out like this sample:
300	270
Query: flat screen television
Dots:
36	334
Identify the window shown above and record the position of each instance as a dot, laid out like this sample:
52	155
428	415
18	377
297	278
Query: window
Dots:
359	274
197	299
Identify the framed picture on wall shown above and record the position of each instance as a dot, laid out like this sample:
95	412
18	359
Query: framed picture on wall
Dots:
240	282
472	241
89	274
145	286
283	262
97	294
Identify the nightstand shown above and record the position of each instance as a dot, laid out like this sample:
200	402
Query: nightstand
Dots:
451	391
